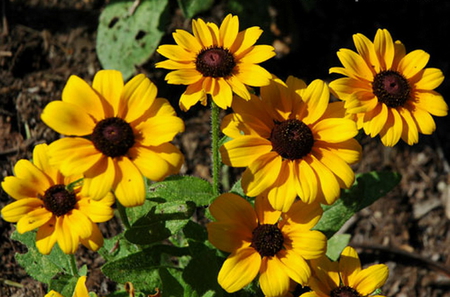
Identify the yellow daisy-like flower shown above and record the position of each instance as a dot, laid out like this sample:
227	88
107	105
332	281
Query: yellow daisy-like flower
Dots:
53	203
264	241
345	278
216	61
80	289
293	142
389	92
123	133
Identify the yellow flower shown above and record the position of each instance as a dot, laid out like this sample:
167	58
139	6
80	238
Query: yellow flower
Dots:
262	240
389	92
124	132
345	278
293	142
53	203
216	61
80	289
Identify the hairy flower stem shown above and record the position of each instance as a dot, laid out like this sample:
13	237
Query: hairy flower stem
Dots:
123	215
215	130
73	265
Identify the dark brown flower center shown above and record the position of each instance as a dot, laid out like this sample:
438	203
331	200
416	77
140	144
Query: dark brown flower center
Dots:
113	137
58	200
344	291
215	61
291	139
267	240
391	88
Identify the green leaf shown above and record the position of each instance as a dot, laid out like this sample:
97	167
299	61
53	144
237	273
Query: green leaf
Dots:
182	188
195	231
368	188
117	247
127	38
142	268
41	267
192	7
170	282
64	284
336	245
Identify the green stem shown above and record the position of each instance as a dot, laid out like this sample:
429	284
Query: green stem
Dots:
73	265
123	215
215	130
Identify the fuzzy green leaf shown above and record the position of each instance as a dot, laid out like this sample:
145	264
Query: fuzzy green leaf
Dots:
192	7
336	245
127	36
368	188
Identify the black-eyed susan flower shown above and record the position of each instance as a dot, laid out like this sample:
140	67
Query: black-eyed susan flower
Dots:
345	278
264	241
216	61
293	143
80	289
121	132
390	93
52	202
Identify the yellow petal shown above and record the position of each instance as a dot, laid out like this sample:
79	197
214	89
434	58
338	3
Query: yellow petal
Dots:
46	237
252	75
350	150
193	94
296	267
160	107
276	97
329	185
283	192
370	279
231	208
308	244
239	269
430	78
183	76
67	240
375	119
340	169
53	293
334	130
172	65
73	155
109	83
245	39
222	94
95	241
384	47
413	62
161	129
129	185
242	151
410	133
316	96
80	288
303	215
265	212
238	87
273	279
34	219
425	122
81	94
228	236
349	266
41	160
79	222
355	65
97	211
14	211
228	30
187	41
68	119
392	130
19	188
307	180
261	174
138	95
325	277
99	179
176	53
202	33
432	102
257	54
366	49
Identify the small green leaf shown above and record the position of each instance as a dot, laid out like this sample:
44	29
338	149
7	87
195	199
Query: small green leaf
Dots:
182	188
127	38
41	267
117	247
195	231
368	188
336	245
170	282
192	7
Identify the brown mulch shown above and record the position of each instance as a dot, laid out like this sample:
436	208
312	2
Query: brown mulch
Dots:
43	42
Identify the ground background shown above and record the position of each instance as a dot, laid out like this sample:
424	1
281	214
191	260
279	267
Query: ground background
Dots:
43	42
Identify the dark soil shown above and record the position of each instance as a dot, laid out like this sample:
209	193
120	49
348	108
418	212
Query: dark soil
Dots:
43	42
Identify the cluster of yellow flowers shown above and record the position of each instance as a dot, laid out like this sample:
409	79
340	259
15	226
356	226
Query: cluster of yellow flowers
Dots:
293	142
